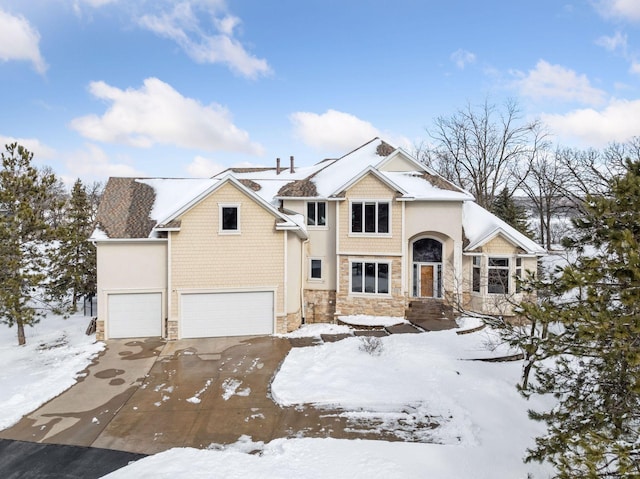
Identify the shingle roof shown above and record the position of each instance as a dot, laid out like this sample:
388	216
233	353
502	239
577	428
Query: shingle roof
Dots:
125	208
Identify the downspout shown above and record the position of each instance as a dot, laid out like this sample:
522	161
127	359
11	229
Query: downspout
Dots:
302	279
168	293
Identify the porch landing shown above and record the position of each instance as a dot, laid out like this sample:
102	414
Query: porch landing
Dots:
431	314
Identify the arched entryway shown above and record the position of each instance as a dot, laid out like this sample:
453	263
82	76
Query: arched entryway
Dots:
427	268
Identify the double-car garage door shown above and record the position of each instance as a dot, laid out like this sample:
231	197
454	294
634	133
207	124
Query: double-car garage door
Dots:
202	315
243	313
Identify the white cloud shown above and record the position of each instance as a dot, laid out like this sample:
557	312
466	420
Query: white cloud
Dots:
202	167
635	68
20	41
332	130
158	114
618	121
184	27
462	58
92	163
624	9
40	151
547	81
615	43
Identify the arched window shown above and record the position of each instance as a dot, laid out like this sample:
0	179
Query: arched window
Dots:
427	250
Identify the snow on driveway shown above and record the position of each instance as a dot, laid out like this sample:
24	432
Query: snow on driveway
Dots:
57	350
483	432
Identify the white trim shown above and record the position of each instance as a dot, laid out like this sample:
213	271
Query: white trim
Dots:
107	292
129	240
337	242
369	234
285	305
221	230
316	227
403	265
190	291
367	253
441	263
369	170
311	279
363	293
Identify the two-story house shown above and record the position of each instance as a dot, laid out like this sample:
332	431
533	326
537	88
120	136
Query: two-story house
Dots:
262	250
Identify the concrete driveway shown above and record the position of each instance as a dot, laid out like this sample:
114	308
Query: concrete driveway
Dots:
149	395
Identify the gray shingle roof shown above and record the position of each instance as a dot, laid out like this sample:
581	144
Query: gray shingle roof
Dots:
125	207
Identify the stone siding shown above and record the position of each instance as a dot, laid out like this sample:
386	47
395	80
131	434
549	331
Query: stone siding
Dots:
348	303
320	306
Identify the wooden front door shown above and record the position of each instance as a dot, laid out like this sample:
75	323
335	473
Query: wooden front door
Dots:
426	281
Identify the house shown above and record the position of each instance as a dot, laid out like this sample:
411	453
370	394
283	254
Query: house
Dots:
263	250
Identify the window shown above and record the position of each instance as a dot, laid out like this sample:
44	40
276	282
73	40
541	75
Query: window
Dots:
371	278
518	275
370	217
498	276
316	213
315	272
475	280
229	219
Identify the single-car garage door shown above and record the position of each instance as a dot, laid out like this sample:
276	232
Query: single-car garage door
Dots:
226	314
135	315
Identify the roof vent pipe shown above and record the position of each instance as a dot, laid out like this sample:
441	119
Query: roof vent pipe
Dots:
292	168
277	166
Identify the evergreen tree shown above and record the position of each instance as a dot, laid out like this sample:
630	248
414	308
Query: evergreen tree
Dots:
73	272
23	232
505	208
591	344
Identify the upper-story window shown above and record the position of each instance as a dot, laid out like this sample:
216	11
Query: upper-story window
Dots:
316	213
229	219
370	217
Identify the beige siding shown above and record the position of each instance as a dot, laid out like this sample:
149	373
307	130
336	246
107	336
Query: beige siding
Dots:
500	246
370	188
444	217
130	267
201	258
398	163
321	245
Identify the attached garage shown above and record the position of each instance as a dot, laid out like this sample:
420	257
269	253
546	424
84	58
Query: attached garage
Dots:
134	315
245	313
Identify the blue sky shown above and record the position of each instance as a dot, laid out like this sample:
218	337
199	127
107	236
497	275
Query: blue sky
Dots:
100	88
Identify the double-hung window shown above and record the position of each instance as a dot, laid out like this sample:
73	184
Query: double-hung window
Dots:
370	217
498	275
370	277
316	213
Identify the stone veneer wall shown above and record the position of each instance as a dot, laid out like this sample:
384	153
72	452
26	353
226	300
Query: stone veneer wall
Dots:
172	330
292	322
100	330
371	304
320	306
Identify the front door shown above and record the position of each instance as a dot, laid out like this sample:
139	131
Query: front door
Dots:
426	281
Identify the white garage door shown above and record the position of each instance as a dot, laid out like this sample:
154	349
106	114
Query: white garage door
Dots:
135	315
227	314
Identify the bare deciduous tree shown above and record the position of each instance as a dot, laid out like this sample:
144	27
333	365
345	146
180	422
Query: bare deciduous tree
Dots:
484	149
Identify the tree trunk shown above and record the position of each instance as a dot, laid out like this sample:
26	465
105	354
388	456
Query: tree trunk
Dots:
21	339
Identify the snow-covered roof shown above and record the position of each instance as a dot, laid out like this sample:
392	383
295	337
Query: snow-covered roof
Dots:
141	207
481	226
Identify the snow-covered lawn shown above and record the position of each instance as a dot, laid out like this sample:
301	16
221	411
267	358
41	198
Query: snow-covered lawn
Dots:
407	381
56	351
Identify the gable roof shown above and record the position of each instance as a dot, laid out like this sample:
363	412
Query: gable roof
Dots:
481	226
334	176
137	208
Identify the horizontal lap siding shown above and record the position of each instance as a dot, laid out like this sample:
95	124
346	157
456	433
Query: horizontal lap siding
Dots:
201	258
370	188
